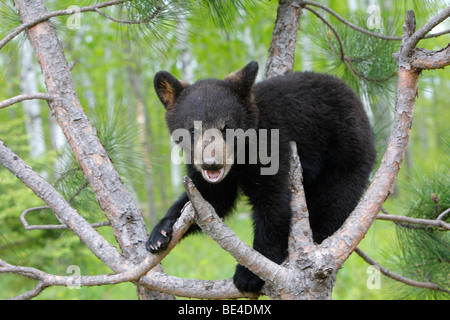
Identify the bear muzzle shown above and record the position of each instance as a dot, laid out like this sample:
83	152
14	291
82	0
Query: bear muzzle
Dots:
212	171
213	176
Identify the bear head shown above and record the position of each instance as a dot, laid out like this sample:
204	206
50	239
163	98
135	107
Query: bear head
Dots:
203	117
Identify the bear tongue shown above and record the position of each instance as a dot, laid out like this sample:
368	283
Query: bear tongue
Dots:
214	176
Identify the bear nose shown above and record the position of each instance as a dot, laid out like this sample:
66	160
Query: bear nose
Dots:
210	163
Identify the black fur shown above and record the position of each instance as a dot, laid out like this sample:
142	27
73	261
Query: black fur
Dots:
319	112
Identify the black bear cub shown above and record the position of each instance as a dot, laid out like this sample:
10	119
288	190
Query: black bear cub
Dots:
235	135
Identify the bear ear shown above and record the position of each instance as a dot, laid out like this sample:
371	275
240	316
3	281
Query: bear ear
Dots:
168	88
243	79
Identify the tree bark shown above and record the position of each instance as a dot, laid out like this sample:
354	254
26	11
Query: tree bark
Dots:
424	59
62	209
82	137
345	240
284	39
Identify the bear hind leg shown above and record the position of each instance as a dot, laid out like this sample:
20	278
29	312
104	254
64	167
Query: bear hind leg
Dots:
271	219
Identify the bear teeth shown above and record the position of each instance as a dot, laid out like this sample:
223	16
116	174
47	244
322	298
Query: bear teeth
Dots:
213	176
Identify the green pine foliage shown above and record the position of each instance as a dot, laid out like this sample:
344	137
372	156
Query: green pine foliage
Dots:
424	256
424	252
362	59
120	140
224	13
10	19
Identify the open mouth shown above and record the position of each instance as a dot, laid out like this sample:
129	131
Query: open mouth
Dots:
213	176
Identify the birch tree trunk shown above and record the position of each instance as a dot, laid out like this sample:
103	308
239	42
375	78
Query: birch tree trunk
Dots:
187	74
143	127
31	108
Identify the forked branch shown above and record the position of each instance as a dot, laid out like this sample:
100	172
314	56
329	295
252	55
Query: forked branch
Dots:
128	273
62	209
277	276
345	240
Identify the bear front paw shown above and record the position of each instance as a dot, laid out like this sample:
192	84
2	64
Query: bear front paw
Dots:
160	236
247	281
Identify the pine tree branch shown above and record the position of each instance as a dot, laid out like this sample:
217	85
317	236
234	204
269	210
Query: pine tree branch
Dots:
397	277
443	214
93	164
48	280
424	59
284	39
301	248
192	288
423	222
112	195
62	209
129	274
53	14
216	229
407	53
301	245
364	31
26	96
158	9
348	23
333	29
414	39
344	241
51	226
346	60
40	286
303	254
114	199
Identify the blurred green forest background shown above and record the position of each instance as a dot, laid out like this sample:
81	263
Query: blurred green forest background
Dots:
113	69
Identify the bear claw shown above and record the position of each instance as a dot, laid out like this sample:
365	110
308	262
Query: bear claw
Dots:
160	237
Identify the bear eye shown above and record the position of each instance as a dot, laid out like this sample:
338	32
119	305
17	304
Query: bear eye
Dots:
225	128
192	130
